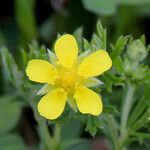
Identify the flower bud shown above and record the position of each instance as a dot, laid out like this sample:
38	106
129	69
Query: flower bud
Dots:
136	51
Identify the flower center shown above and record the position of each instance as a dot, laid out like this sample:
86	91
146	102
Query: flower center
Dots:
67	79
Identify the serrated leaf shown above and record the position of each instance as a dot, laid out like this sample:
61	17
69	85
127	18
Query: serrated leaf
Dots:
99	38
144	119
141	106
11	69
141	135
101	32
36	51
119	47
110	79
86	45
110	109
92	125
24	58
78	33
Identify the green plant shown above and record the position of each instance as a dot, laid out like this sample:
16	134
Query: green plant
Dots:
125	91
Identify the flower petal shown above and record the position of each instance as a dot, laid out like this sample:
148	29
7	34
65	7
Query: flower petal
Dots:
52	105
88	102
41	71
95	64
66	50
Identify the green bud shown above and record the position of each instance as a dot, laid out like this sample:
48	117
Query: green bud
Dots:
136	51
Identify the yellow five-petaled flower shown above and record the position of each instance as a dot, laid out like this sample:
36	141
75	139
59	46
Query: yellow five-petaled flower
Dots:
69	78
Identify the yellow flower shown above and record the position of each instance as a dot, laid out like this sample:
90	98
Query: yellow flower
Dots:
68	78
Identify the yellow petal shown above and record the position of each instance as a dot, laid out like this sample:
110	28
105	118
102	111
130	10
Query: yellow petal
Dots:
66	50
95	64
52	105
41	71
88	102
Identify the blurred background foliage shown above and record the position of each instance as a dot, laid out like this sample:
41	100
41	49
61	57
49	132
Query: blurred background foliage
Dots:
23	22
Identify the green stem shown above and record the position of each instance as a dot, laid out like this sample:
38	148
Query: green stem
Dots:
57	133
112	128
125	114
46	139
127	107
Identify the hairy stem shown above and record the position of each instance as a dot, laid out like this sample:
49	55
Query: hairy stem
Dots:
127	107
46	139
128	101
57	133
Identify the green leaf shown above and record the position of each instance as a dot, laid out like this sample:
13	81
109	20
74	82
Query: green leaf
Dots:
10	68
108	108
86	45
140	107
101	7
10	112
12	142
92	125
78	33
36	51
143	39
24	58
110	79
144	119
102	33
117	50
119	47
99	38
96	42
141	135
